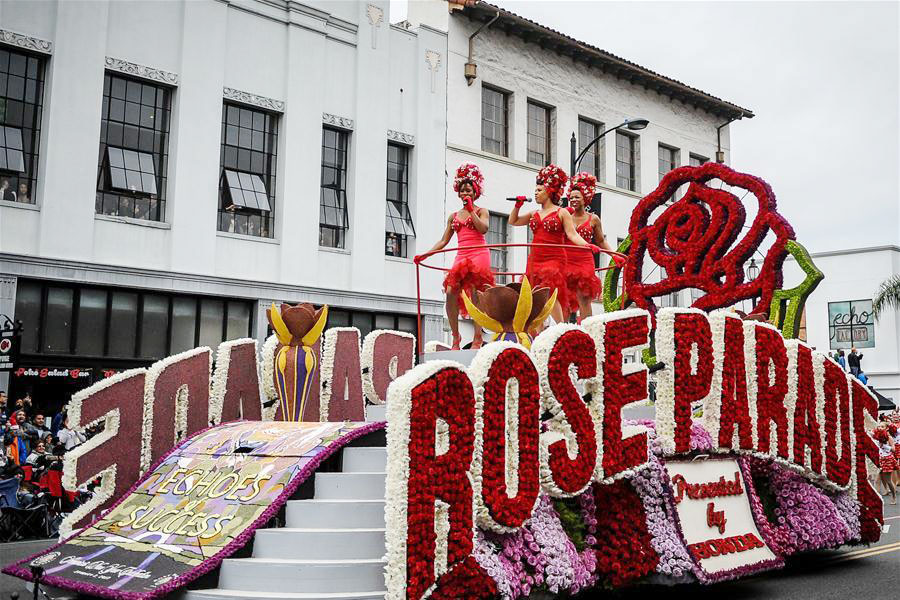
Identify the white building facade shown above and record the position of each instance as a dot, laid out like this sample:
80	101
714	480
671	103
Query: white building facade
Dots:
172	168
533	89
839	311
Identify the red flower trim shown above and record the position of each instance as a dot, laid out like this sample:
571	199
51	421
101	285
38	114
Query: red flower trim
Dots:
690	329
624	550
735	405
837	414
871	513
575	347
771	394
807	431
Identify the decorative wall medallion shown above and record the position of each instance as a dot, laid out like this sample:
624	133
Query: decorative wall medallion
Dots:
376	17
433	60
403	138
342	122
253	99
25	41
151	73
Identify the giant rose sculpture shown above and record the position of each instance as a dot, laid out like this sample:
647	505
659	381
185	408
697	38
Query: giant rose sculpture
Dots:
701	240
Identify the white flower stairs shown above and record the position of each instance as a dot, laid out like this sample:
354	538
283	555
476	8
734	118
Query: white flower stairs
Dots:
332	545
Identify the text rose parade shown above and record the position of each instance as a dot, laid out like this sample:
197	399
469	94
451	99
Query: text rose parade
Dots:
468	447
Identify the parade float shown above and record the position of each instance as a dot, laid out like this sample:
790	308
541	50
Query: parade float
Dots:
516	475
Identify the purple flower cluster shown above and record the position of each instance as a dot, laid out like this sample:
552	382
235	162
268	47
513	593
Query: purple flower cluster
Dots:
565	570
807	518
848	507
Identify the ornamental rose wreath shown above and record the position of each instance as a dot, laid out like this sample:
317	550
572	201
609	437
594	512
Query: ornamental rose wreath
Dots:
697	240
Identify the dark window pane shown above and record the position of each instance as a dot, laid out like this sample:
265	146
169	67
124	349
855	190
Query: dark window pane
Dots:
58	320
123	324
363	322
184	322
154	326
91	323
28	311
212	315
238	320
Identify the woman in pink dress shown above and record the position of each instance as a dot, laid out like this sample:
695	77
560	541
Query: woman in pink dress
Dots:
551	225
582	283
471	269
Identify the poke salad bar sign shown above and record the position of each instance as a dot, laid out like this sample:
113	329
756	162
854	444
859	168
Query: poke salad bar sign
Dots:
467	447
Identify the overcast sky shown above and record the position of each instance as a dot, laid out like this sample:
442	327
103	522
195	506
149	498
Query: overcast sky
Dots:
821	77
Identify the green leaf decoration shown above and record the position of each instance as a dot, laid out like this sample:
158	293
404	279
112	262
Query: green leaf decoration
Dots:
612	302
787	305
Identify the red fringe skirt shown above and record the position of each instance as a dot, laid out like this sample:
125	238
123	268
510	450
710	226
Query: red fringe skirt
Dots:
888	464
582	281
549	276
466	275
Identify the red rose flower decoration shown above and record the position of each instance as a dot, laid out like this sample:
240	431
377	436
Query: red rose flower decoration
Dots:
700	240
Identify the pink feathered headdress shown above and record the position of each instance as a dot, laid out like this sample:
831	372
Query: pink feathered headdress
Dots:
472	174
554	179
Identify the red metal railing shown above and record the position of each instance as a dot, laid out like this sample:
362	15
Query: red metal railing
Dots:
420	262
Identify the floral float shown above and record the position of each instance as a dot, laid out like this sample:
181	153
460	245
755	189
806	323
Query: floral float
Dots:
523	461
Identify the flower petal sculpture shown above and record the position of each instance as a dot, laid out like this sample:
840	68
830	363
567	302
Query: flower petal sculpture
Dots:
511	310
701	241
296	375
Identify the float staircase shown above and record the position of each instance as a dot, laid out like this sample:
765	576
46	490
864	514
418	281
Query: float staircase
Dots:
332	544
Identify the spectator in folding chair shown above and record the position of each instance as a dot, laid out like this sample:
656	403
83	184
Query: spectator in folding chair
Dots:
22	516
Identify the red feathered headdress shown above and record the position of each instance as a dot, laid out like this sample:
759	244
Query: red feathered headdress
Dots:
881	435
472	174
585	183
554	179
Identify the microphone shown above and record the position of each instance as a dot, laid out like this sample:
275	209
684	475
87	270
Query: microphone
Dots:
519	199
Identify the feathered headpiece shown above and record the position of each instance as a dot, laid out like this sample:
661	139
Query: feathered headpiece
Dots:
554	179
585	183
472	174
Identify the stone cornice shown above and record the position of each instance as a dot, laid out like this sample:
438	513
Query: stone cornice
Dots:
403	138
253	99
142	71
25	42
342	122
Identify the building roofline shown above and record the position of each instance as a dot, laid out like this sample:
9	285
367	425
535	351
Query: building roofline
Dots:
533	32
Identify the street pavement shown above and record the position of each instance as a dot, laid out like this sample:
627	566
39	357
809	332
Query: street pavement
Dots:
848	573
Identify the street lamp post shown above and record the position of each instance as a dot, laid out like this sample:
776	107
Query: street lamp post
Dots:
632	124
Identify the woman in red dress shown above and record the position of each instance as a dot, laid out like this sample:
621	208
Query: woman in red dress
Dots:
583	285
471	269
551	225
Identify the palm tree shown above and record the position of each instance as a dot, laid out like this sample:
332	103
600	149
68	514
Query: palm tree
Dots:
888	296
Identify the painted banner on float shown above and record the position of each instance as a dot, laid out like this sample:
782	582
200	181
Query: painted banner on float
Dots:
715	519
197	506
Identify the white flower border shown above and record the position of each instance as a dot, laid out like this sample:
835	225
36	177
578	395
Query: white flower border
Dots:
219	384
479	369
181	400
367	360
595	326
397	479
267	369
111	421
326	367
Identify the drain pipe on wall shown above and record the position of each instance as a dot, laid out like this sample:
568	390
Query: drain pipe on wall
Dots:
471	69
720	155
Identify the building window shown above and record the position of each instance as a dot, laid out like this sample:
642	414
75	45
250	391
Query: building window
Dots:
333	219
398	225
670	299
627	156
494	119
697	160
498	233
592	162
134	139
367	322
95	322
247	164
668	160
538	134
21	103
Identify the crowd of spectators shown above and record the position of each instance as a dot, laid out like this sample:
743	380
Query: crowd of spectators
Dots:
34	444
